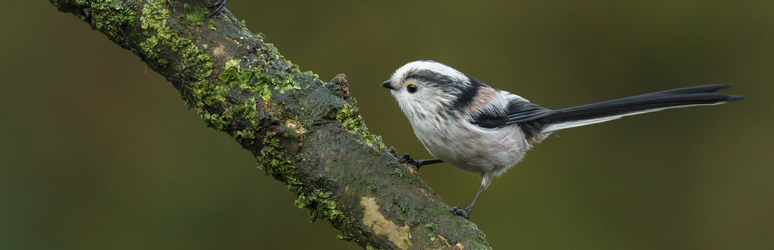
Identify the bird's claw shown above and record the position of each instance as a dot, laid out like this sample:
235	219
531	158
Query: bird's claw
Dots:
406	158
216	7
464	213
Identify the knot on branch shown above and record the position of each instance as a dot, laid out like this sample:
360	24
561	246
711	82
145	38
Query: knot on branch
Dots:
341	86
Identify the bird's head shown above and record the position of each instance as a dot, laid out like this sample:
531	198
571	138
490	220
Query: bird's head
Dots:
427	88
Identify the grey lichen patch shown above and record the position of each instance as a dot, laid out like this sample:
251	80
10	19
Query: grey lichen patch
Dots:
372	218
296	126
352	121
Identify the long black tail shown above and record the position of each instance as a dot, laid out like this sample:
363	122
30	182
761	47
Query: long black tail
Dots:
614	109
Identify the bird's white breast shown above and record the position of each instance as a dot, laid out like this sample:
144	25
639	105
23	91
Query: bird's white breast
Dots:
464	145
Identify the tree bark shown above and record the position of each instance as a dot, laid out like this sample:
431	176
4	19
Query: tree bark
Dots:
303	131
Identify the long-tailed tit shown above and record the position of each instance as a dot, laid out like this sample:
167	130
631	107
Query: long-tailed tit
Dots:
478	128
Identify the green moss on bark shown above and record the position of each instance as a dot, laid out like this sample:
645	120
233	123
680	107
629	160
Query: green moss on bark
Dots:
111	17
350	119
276	164
194	16
193	63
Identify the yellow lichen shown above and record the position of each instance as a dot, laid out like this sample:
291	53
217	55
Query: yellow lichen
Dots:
381	226
456	246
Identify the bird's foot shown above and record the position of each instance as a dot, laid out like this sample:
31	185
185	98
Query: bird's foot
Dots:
216	7
464	213
406	158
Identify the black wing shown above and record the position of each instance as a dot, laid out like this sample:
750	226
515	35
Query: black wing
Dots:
519	111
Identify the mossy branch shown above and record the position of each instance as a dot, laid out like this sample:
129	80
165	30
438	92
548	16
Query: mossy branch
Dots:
303	131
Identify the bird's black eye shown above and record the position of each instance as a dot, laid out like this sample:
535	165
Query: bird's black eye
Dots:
411	87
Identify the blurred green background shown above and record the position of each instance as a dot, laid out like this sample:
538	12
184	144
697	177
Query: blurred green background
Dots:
99	152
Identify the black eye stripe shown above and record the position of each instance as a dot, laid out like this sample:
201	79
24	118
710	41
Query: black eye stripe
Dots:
429	77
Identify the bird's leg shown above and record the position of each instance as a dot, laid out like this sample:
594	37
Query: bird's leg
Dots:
465	213
406	158
486	179
216	7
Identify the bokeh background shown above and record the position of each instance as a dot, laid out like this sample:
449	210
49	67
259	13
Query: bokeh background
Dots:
99	152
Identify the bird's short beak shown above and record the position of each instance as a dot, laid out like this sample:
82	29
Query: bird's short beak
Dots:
387	84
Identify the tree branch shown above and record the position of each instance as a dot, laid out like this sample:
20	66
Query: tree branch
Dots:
304	132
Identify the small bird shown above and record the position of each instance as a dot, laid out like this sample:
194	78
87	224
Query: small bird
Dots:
480	129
